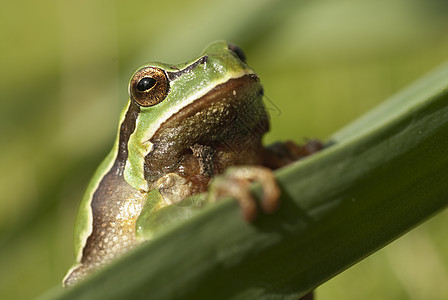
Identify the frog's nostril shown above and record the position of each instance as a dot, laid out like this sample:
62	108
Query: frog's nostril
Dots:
254	77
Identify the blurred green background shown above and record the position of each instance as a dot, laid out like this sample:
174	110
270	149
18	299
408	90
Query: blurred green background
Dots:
64	72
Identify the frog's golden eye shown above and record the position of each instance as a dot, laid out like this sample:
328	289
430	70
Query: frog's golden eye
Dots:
149	86
238	52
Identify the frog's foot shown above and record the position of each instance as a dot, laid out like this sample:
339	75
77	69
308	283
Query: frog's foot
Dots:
173	188
298	152
281	154
236	183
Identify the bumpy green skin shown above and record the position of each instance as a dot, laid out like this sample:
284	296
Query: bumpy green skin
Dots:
106	220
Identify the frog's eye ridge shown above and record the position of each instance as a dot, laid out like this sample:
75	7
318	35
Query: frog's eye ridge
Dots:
149	86
238	52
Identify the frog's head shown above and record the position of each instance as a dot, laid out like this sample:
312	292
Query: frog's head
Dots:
213	99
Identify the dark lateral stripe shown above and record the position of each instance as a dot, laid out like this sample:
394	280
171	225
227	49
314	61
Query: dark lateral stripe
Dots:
126	129
174	75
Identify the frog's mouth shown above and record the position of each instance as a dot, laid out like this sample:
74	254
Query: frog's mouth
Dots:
231	115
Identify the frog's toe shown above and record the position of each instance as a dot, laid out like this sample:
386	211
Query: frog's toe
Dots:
237	188
236	183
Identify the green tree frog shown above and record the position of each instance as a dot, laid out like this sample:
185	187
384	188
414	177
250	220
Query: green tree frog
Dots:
183	124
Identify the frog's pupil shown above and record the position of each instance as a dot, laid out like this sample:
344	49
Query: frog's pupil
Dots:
145	84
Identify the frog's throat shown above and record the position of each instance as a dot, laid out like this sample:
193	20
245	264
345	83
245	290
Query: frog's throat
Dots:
232	118
140	146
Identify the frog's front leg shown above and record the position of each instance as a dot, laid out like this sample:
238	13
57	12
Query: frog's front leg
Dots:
236	180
